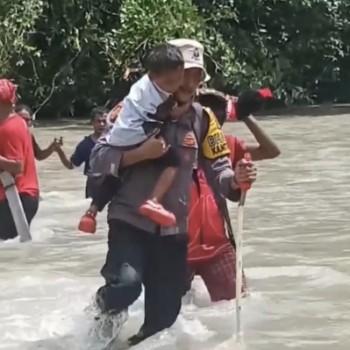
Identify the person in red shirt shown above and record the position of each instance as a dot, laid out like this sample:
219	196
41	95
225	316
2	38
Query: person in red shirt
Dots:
211	254
17	158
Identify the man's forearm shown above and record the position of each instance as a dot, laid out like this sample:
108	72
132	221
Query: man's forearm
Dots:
64	160
220	177
107	160
266	148
132	157
11	166
228	186
43	154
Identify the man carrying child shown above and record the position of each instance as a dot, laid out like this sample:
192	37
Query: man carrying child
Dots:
140	251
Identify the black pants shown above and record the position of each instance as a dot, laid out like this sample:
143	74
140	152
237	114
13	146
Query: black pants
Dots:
136	257
7	225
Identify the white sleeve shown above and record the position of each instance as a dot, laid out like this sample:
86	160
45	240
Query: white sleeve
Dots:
144	99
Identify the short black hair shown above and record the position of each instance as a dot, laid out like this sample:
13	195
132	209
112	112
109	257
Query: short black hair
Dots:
216	101
163	58
21	106
97	111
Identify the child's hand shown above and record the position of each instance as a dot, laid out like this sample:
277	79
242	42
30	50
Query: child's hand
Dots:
154	147
179	111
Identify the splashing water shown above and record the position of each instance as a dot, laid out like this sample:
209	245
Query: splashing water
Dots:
296	247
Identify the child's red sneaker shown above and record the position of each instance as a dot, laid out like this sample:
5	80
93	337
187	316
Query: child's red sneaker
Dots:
158	214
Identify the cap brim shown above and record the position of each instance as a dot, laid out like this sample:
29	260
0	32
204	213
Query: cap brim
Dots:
206	76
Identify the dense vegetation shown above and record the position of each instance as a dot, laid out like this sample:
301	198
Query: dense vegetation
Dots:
72	54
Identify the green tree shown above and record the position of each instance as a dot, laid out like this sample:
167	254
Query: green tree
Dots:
145	23
71	55
69	58
17	22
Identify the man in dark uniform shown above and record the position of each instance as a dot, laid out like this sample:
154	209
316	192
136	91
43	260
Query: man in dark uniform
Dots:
140	252
82	152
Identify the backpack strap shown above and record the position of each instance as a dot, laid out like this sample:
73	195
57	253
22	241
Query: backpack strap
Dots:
226	216
220	202
197	122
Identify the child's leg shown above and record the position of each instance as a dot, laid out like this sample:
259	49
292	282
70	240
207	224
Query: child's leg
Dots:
164	183
107	190
102	196
153	208
171	163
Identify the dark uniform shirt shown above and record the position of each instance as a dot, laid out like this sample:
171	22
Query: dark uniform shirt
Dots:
139	179
82	154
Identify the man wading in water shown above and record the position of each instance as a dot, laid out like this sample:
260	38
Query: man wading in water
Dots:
211	254
139	251
17	158
83	150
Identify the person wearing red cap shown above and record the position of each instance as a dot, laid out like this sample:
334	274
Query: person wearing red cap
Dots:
211	254
17	158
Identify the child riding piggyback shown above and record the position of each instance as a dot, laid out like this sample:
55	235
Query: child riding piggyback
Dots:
147	106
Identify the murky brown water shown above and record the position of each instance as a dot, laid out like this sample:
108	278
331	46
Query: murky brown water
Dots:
297	254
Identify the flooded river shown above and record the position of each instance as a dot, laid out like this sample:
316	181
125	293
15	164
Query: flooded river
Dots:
296	254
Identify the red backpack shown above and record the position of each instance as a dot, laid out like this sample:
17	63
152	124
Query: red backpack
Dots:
209	228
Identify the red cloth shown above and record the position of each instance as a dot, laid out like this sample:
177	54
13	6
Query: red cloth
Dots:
205	224
231	108
16	144
237	149
7	91
219	275
265	93
216	266
231	114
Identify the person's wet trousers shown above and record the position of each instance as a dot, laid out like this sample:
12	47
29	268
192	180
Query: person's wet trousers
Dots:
137	257
7	225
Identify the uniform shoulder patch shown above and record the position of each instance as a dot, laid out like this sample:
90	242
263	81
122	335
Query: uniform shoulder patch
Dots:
214	145
190	140
113	114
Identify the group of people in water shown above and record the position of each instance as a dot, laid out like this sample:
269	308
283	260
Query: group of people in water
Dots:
161	162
